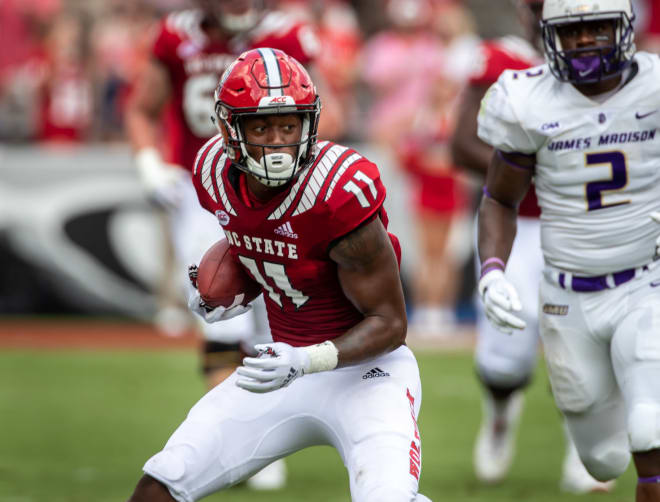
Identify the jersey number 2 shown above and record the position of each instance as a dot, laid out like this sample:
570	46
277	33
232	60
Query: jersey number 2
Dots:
277	272
594	190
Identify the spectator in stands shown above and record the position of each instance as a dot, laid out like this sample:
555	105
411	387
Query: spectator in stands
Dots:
121	37
406	66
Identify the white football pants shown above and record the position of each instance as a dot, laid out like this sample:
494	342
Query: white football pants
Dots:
603	354
367	412
507	360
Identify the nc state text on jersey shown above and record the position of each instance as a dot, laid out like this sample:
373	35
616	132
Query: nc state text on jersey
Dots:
261	245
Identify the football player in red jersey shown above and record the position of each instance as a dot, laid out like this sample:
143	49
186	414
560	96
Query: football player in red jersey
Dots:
171	106
190	53
306	220
505	363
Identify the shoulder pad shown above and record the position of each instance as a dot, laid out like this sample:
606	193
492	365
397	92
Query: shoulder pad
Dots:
207	175
500	120
184	23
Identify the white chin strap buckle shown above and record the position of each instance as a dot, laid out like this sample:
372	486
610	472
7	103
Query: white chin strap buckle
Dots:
277	163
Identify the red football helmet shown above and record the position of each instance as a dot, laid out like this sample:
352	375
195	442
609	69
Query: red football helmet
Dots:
265	82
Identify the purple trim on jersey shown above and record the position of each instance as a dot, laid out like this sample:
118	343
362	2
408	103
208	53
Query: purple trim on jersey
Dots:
513	164
490	196
649	480
598	282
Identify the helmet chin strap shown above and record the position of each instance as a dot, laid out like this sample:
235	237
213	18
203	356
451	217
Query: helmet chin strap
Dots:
271	163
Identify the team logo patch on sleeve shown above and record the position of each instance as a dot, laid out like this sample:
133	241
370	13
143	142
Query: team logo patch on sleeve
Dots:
550	309
223	217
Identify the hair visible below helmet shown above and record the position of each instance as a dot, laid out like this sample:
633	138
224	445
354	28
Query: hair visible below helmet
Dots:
574	65
267	82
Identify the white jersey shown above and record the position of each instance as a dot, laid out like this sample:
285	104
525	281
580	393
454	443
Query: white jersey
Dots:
597	171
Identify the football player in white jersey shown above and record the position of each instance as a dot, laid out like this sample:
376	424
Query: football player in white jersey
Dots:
504	365
585	127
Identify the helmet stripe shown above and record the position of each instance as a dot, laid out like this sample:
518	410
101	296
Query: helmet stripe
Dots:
273	73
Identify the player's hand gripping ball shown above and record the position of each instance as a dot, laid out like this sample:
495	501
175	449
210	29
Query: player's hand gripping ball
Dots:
223	289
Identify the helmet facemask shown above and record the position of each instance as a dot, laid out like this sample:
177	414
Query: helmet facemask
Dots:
589	64
277	167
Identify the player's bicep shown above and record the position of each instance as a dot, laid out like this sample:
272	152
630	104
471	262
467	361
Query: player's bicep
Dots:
368	271
509	177
152	89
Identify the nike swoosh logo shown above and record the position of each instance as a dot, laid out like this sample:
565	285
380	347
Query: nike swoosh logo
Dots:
641	116
585	72
655	284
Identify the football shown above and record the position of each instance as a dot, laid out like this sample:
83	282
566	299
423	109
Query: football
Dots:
220	279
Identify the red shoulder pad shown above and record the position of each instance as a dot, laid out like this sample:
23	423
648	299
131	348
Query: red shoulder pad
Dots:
357	195
208	165
493	60
165	44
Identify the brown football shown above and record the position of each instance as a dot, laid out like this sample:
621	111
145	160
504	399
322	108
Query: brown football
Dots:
220	279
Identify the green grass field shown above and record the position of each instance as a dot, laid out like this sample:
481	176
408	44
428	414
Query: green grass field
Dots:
76	426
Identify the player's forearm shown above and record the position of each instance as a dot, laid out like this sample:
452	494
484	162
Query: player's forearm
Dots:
496	229
142	129
373	336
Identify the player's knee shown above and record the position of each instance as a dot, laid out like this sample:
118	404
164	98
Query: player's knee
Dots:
149	489
508	374
644	427
606	461
220	356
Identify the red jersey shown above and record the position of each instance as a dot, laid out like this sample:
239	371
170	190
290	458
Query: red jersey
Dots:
195	63
284	244
508	53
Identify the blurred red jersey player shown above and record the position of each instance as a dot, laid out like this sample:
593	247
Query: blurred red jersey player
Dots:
170	111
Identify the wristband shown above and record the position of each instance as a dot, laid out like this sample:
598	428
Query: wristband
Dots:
490	264
649	480
322	357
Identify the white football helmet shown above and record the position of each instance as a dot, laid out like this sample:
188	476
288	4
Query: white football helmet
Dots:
573	65
234	16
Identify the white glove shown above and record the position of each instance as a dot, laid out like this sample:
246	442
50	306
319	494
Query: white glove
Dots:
500	300
655	216
277	365
215	314
161	181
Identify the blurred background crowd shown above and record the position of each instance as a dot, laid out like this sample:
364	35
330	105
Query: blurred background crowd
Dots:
395	67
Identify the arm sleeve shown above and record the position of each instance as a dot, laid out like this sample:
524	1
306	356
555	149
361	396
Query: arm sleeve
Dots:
499	123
